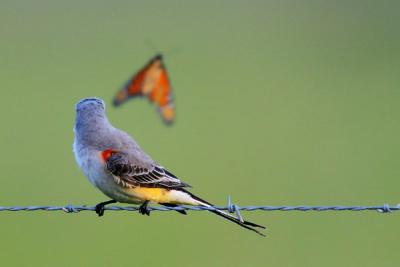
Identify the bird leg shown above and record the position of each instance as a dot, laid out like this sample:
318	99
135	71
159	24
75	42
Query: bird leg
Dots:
144	209
99	208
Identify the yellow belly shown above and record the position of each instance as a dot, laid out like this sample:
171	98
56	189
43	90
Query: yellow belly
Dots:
157	195
162	195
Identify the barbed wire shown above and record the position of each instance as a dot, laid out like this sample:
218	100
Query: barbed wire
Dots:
386	208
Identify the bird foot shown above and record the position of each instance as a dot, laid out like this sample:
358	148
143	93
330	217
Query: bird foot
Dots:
144	209
100	208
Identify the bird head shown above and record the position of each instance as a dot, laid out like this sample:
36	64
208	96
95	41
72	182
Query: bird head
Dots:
90	114
89	105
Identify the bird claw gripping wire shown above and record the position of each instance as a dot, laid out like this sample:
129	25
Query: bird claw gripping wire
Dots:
233	208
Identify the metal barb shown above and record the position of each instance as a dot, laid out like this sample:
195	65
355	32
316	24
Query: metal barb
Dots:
233	208
385	209
229	205
69	209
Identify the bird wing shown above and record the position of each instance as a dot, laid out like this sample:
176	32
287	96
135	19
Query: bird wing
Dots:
130	174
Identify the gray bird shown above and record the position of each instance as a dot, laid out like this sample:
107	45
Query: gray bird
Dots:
115	164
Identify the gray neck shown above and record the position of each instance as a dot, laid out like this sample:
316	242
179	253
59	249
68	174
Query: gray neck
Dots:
90	128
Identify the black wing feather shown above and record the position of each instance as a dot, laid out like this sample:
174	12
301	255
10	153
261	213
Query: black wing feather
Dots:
132	175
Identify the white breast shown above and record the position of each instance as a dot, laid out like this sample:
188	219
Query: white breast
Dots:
94	168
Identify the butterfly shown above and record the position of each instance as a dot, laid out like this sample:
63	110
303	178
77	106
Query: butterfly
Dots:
152	82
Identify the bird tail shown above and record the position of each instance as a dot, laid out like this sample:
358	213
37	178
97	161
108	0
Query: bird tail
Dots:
245	224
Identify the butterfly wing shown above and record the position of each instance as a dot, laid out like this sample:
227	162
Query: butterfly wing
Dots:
161	95
151	81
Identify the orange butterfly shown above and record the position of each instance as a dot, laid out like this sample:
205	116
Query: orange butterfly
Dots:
151	81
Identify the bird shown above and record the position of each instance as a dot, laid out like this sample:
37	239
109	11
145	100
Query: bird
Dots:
115	164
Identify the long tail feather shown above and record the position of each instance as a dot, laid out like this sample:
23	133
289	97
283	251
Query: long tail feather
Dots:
245	224
173	205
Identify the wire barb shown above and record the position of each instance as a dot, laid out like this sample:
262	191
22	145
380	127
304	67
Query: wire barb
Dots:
69	209
385	208
233	208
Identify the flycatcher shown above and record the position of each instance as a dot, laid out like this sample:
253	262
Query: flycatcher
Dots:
115	164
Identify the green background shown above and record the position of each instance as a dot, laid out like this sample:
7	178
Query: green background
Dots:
278	103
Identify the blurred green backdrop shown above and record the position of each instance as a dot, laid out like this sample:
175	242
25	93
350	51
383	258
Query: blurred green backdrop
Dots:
279	103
